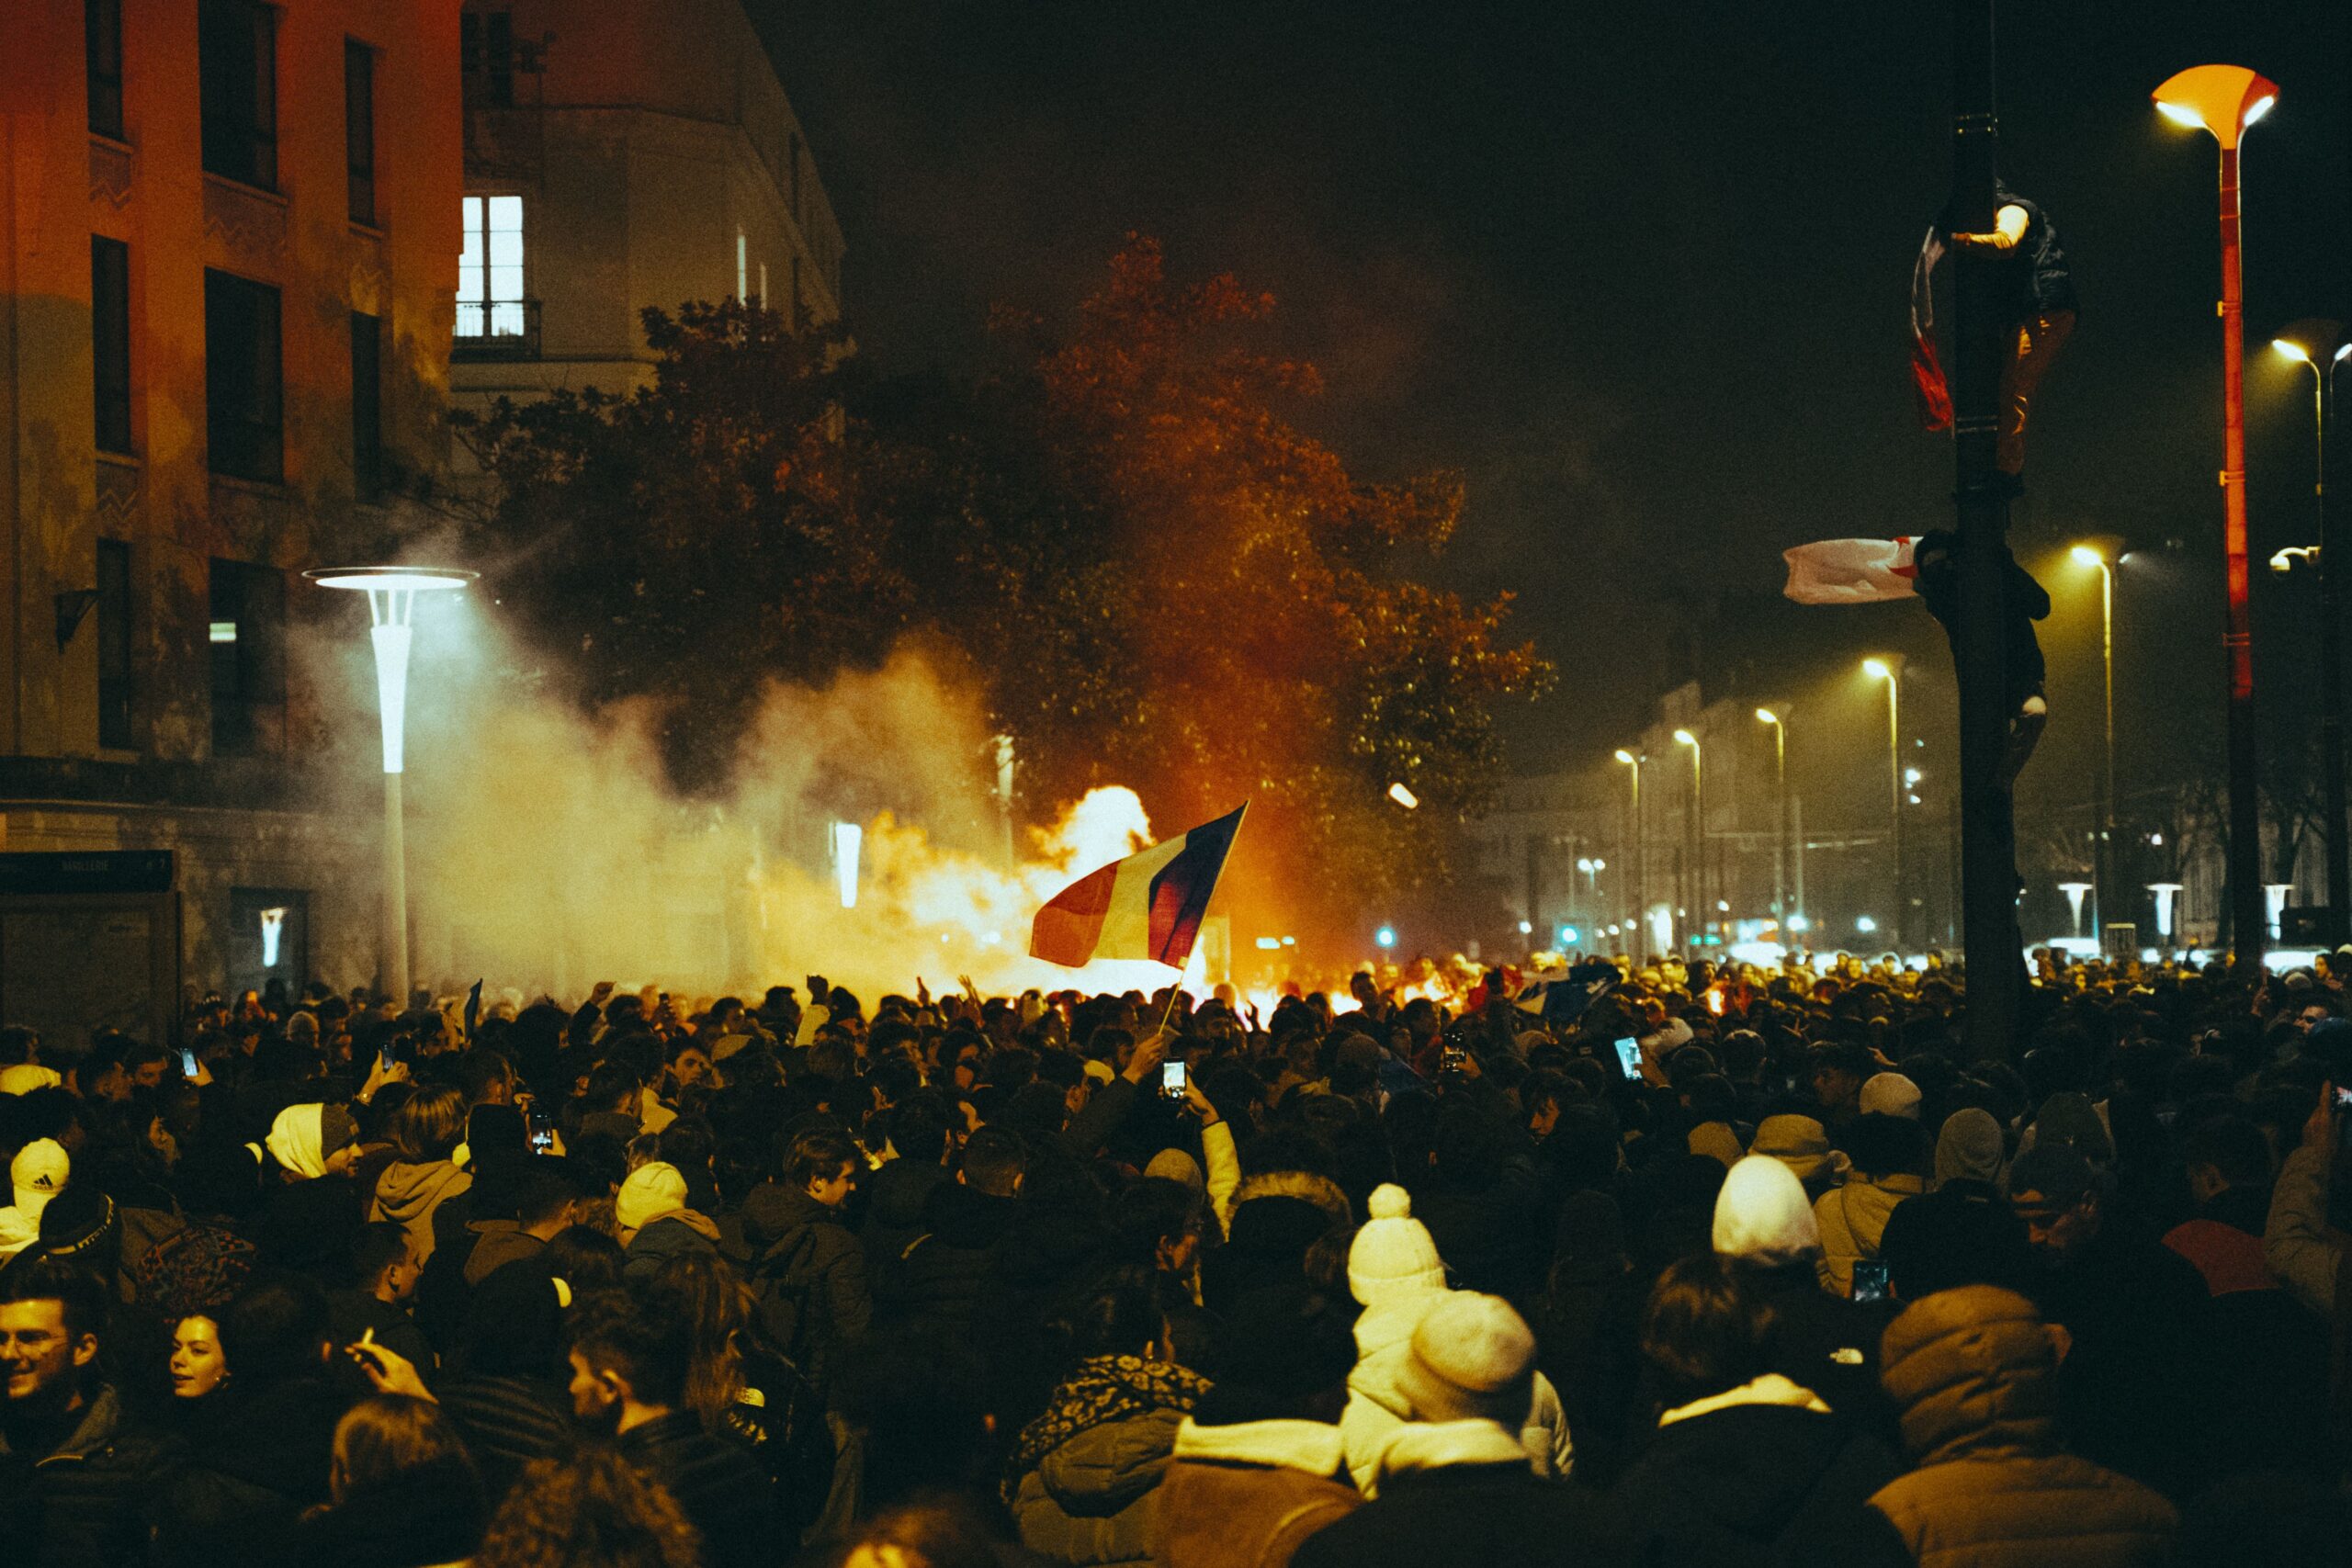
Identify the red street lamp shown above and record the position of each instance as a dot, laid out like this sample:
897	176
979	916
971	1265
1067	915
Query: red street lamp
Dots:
2225	99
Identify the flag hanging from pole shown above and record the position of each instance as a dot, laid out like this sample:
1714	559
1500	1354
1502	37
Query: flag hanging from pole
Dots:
1147	906
1851	572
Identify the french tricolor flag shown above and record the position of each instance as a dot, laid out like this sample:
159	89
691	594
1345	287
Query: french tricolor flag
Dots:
1146	906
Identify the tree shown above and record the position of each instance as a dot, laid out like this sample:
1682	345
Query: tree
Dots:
1153	577
677	544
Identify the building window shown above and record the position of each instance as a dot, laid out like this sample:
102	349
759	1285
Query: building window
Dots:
764	286
236	59
486	58
742	267
244	394
359	127
367	406
247	640
114	644
489	268
111	340
102	51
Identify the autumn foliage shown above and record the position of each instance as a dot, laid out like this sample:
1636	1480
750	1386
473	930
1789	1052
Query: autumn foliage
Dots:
1156	576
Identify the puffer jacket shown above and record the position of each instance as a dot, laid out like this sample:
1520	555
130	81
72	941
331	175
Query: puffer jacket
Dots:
1090	1468
83	1504
1853	1220
507	1422
1377	1404
407	1194
1973	1372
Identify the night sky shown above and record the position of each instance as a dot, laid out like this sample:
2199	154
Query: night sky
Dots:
1639	272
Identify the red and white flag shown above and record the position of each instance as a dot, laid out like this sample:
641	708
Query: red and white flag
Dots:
1851	572
1147	906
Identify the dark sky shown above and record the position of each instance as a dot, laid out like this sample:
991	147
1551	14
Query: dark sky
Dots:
1638	270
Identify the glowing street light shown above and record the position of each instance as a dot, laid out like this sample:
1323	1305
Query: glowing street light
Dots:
1403	796
846	840
1781	860
2087	556
1698	816
1892	673
1633	832
1385	937
392	608
2166	892
2317	341
2225	100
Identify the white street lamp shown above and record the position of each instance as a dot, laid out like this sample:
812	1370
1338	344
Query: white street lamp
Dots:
2166	892
392	606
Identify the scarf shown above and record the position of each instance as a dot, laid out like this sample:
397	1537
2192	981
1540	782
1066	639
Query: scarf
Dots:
1104	1389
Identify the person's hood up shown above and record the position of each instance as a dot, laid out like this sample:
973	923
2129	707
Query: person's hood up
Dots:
302	1137
1443	1445
1801	1143
1762	1215
23	1077
405	1192
1972	1372
1971	1147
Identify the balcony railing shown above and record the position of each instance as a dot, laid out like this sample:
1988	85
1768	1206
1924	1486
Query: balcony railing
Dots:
508	329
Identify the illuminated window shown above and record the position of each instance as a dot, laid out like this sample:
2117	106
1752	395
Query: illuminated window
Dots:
247	646
742	266
490	269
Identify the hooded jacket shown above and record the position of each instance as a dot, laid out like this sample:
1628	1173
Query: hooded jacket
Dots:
1854	1218
1973	1372
83	1504
407	1194
1244	1496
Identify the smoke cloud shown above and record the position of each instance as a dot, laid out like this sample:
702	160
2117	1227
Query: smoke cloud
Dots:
545	852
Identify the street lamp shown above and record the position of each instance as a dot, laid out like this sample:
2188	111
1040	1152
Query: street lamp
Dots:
1698	820
391	608
1780	844
1891	672
2086	555
2225	100
2318	342
1641	848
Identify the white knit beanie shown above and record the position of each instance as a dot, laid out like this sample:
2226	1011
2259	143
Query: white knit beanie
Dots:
1472	1358
1762	1215
1392	1255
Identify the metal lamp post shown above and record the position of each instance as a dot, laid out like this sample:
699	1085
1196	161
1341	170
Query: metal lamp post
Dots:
1697	825
392	606
2084	555
2320	343
1891	672
2225	100
1780	910
1641	850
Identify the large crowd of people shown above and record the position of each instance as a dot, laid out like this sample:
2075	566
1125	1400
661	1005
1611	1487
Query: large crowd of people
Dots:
1672	1265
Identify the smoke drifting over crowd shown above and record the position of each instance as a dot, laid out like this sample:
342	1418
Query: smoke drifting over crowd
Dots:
546	854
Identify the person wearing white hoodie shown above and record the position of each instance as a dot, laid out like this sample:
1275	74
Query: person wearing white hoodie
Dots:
1394	1272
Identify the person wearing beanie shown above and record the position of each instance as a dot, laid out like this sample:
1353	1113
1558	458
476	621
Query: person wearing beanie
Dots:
311	1141
1452	1483
1258	1466
1395	1272
1884	1151
1890	1094
1820	1341
1747	1465
654	1221
1974	1373
39	1173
